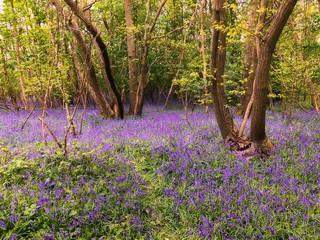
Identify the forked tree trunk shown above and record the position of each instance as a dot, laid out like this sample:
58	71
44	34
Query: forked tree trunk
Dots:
217	66
92	82
139	76
261	82
102	49
112	96
93	85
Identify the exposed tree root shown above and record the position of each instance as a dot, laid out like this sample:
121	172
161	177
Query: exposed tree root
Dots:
242	146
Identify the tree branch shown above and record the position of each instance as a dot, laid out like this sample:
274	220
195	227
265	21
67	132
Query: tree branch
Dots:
157	16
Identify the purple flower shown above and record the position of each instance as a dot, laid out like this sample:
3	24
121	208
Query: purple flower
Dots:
135	221
49	237
3	224
13	237
271	229
13	218
205	228
43	201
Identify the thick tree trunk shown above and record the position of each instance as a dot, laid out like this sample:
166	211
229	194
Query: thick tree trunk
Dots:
261	82
5	77
102	49
112	97
132	56
217	66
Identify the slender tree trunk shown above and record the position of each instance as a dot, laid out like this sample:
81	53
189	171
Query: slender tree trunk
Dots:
314	97
5	76
137	93
4	64
102	49
143	76
261	82
217	66
93	86
313	94
132	55
250	59
143	80
203	53
112	97
178	71
25	99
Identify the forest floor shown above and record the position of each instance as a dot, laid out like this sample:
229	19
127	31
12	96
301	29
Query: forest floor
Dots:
156	177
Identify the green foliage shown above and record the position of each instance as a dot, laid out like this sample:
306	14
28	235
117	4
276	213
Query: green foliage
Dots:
174	47
295	63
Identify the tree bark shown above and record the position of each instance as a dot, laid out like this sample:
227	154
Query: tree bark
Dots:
261	82
112	97
92	82
25	99
217	67
314	97
132	56
139	76
313	94
102	49
143	76
93	86
250	59
203	53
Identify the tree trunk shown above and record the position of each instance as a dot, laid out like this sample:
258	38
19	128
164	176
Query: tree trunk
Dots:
132	56
102	49
143	80
203	53
261	82
92	83
25	99
217	66
309	80
137	93
250	59
314	97
112	96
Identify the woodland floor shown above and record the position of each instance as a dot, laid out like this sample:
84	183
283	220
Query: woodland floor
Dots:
156	177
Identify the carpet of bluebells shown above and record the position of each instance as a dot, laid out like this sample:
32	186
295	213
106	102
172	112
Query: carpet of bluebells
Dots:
156	177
